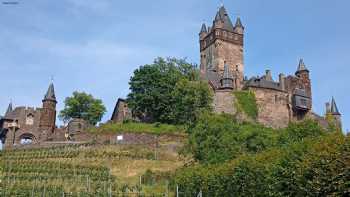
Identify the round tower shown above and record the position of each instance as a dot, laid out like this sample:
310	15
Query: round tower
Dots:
48	112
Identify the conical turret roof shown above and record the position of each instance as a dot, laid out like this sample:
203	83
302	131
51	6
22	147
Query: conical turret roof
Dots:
301	66
9	109
239	22
204	28
222	15
50	94
334	108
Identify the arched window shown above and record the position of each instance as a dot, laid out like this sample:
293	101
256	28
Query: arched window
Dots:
30	119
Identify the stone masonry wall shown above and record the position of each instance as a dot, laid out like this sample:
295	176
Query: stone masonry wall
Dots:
273	110
223	102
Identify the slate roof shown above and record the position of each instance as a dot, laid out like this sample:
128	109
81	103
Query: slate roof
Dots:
14	113
9	109
301	66
204	28
224	17
50	94
262	83
239	23
334	108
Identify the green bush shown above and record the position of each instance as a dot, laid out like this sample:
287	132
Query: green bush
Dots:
219	138
246	102
301	160
134	127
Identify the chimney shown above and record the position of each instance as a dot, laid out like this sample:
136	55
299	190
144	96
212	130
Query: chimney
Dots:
268	75
282	82
328	108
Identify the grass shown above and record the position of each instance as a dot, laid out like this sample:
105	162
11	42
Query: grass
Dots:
132	127
246	102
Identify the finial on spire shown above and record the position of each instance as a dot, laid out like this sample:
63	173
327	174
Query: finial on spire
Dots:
221	3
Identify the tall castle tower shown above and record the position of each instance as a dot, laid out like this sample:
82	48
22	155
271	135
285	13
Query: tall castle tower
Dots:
48	113
222	44
304	75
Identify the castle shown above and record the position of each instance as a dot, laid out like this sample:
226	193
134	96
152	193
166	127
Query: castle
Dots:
221	63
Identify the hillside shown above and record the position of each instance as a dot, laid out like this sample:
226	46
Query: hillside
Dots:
88	170
220	156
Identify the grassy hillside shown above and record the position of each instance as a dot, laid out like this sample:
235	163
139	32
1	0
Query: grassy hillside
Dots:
105	170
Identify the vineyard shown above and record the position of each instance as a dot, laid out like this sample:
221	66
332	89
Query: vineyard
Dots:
87	170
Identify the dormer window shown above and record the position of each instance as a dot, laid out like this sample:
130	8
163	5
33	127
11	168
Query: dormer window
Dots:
30	119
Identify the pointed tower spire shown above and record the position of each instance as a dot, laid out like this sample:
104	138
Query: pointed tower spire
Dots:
301	66
222	20
334	108
217	17
50	94
204	28
239	22
9	109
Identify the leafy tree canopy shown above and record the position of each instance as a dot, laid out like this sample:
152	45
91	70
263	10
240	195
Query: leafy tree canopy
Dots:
168	91
242	159
84	106
219	138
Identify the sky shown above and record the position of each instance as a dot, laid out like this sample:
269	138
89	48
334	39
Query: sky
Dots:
95	45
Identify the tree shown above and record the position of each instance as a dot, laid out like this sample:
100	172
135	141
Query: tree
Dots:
216	138
84	106
156	90
190	99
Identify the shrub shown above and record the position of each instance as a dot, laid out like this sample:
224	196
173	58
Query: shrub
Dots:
246	102
133	127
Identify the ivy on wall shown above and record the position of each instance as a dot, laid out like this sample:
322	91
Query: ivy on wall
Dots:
246	102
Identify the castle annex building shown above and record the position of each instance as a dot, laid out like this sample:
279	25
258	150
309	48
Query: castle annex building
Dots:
222	65
27	125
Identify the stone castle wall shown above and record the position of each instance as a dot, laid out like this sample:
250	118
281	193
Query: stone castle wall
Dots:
223	102
273	110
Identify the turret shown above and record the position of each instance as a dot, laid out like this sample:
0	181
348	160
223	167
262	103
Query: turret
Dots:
223	42
9	109
268	75
335	114
304	76
282	82
301	68
239	28
227	78
222	20
48	113
203	32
